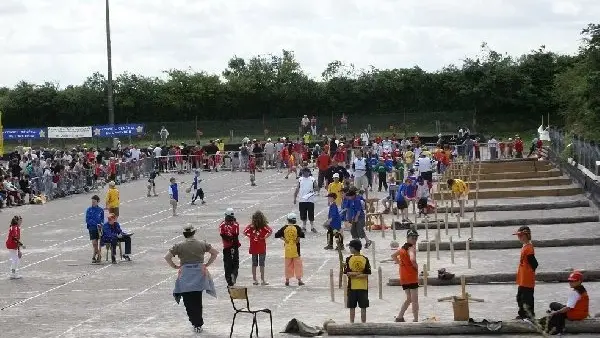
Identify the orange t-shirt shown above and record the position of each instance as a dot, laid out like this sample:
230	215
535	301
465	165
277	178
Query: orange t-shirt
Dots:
525	273
582	308
408	273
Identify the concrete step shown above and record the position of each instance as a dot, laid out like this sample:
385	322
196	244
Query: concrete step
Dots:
521	206
519	175
502	168
526	182
567	190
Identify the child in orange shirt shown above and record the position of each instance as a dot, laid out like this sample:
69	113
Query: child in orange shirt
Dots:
406	257
526	275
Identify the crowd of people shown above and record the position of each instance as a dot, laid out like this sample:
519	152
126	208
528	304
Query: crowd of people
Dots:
402	169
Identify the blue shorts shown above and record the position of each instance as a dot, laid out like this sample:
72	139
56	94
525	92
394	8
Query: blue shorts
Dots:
94	234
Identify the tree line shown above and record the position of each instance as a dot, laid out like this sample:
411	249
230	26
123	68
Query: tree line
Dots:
494	87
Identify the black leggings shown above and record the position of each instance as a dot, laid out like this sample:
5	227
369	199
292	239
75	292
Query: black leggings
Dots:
231	264
525	301
193	307
199	194
382	181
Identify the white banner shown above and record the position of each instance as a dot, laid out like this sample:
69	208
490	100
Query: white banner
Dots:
69	132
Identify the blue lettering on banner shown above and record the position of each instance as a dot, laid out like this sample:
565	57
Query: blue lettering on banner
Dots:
23	134
118	130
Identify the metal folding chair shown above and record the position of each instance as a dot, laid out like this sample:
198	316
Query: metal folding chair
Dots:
241	293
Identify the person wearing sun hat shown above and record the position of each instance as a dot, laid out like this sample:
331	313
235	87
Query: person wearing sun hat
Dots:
291	234
577	307
193	277
526	275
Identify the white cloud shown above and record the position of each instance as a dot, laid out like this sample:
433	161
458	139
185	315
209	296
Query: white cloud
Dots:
43	41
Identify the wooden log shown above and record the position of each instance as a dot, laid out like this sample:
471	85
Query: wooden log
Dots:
446	221
451	250
380	282
425	279
512	326
493	278
437	246
514	244
525	221
331	285
471	221
428	256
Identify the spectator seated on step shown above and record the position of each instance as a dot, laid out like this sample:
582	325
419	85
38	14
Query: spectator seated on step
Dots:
577	307
112	234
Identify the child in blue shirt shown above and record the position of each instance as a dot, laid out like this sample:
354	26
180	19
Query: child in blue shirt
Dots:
334	224
357	216
402	200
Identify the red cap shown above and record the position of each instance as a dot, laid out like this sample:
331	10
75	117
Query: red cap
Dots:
575	276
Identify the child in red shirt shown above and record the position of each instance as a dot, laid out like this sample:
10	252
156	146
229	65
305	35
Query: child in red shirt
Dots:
258	232
13	244
252	169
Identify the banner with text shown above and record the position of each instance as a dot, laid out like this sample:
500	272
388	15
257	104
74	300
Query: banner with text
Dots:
69	132
118	130
24	134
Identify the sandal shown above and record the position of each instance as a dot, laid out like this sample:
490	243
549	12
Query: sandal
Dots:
399	320
255	283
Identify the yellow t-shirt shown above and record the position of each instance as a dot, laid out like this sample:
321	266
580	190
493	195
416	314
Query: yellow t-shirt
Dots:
112	198
291	234
337	189
459	187
358	263
221	146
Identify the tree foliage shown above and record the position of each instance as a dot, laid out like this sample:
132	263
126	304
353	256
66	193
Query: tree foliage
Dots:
493	87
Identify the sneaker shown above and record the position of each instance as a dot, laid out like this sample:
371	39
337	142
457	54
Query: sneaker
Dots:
113	260
15	276
368	244
313	230
303	229
193	203
264	283
198	329
255	283
127	258
328	247
399	320
203	202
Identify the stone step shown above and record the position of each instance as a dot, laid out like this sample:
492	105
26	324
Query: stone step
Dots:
519	175
526	182
515	222
520	206
516	192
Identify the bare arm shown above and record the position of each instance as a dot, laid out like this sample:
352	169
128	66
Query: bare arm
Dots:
413	257
169	258
213	255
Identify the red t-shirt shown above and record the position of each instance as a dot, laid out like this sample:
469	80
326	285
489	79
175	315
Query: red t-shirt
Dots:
258	239
252	164
230	230
13	232
519	146
323	161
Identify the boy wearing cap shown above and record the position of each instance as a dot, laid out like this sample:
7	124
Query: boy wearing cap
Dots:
406	257
199	193
526	275
173	195
291	234
112	234
334	224
577	308
357	269
229	230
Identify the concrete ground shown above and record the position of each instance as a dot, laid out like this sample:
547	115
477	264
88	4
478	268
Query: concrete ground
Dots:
63	295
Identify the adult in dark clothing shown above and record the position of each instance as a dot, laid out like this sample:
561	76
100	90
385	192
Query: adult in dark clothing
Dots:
191	251
339	169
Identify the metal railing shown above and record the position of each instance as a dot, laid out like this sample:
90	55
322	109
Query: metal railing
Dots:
585	153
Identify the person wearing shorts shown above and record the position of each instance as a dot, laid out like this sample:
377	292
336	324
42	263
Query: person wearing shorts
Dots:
406	257
305	196
402	200
94	218
358	269
112	199
357	217
257	232
359	166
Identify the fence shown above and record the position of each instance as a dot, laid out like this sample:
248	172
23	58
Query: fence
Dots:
568	145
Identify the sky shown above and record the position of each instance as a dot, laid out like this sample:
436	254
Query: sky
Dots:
64	41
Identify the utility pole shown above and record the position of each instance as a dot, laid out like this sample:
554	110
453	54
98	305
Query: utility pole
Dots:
109	82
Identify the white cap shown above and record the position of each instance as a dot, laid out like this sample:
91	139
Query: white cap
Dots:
291	216
336	175
269	139
229	212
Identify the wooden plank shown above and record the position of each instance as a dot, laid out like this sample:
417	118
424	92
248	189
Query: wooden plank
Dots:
545	276
512	244
450	328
